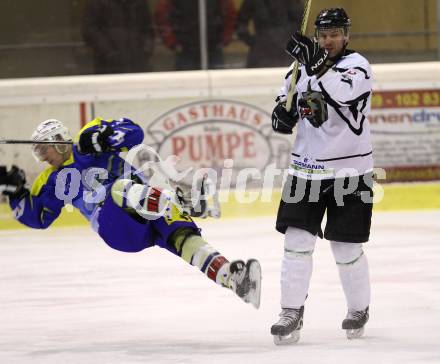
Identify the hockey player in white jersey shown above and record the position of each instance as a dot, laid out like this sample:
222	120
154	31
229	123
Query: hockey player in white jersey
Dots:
330	171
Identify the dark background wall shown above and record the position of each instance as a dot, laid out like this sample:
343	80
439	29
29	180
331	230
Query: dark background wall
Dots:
43	38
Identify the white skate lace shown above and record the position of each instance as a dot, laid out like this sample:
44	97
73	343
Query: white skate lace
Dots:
355	315
237	278
288	316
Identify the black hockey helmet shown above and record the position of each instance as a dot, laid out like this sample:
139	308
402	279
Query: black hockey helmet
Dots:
332	18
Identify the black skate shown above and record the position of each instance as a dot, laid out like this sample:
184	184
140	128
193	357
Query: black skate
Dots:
245	280
287	329
354	323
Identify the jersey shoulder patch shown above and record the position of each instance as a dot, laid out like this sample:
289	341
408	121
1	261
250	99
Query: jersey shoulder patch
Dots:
352	65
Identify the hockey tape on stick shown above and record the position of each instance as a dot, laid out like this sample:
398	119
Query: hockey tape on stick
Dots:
292	86
20	141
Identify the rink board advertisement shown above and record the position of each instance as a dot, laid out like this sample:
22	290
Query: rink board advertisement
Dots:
218	134
405	127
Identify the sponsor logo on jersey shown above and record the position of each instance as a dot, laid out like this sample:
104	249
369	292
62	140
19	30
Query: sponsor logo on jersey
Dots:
19	209
308	164
307	167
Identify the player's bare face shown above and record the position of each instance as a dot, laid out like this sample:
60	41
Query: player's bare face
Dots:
333	40
48	153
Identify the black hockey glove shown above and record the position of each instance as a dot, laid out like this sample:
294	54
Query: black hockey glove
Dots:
313	107
12	182
308	52
95	141
283	121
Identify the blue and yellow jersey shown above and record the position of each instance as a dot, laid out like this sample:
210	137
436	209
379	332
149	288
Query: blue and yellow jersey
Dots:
83	180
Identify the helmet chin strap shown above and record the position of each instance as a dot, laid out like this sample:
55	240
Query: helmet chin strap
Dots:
66	153
340	54
346	39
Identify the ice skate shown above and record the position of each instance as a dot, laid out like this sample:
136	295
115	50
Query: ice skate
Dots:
287	329
245	280
354	323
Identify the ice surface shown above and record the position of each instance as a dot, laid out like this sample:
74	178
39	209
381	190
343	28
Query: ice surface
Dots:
65	297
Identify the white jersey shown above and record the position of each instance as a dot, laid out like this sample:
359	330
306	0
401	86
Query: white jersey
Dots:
342	144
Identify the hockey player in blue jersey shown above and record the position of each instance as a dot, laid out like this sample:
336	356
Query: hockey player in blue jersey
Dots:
127	213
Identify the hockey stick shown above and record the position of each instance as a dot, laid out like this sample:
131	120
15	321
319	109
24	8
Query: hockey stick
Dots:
292	86
21	141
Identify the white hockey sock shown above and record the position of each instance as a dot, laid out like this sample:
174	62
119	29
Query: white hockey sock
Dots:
297	266
353	272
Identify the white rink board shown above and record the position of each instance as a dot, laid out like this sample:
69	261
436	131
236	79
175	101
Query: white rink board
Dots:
68	298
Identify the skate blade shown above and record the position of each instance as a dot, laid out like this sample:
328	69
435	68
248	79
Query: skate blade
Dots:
254	295
293	338
355	333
